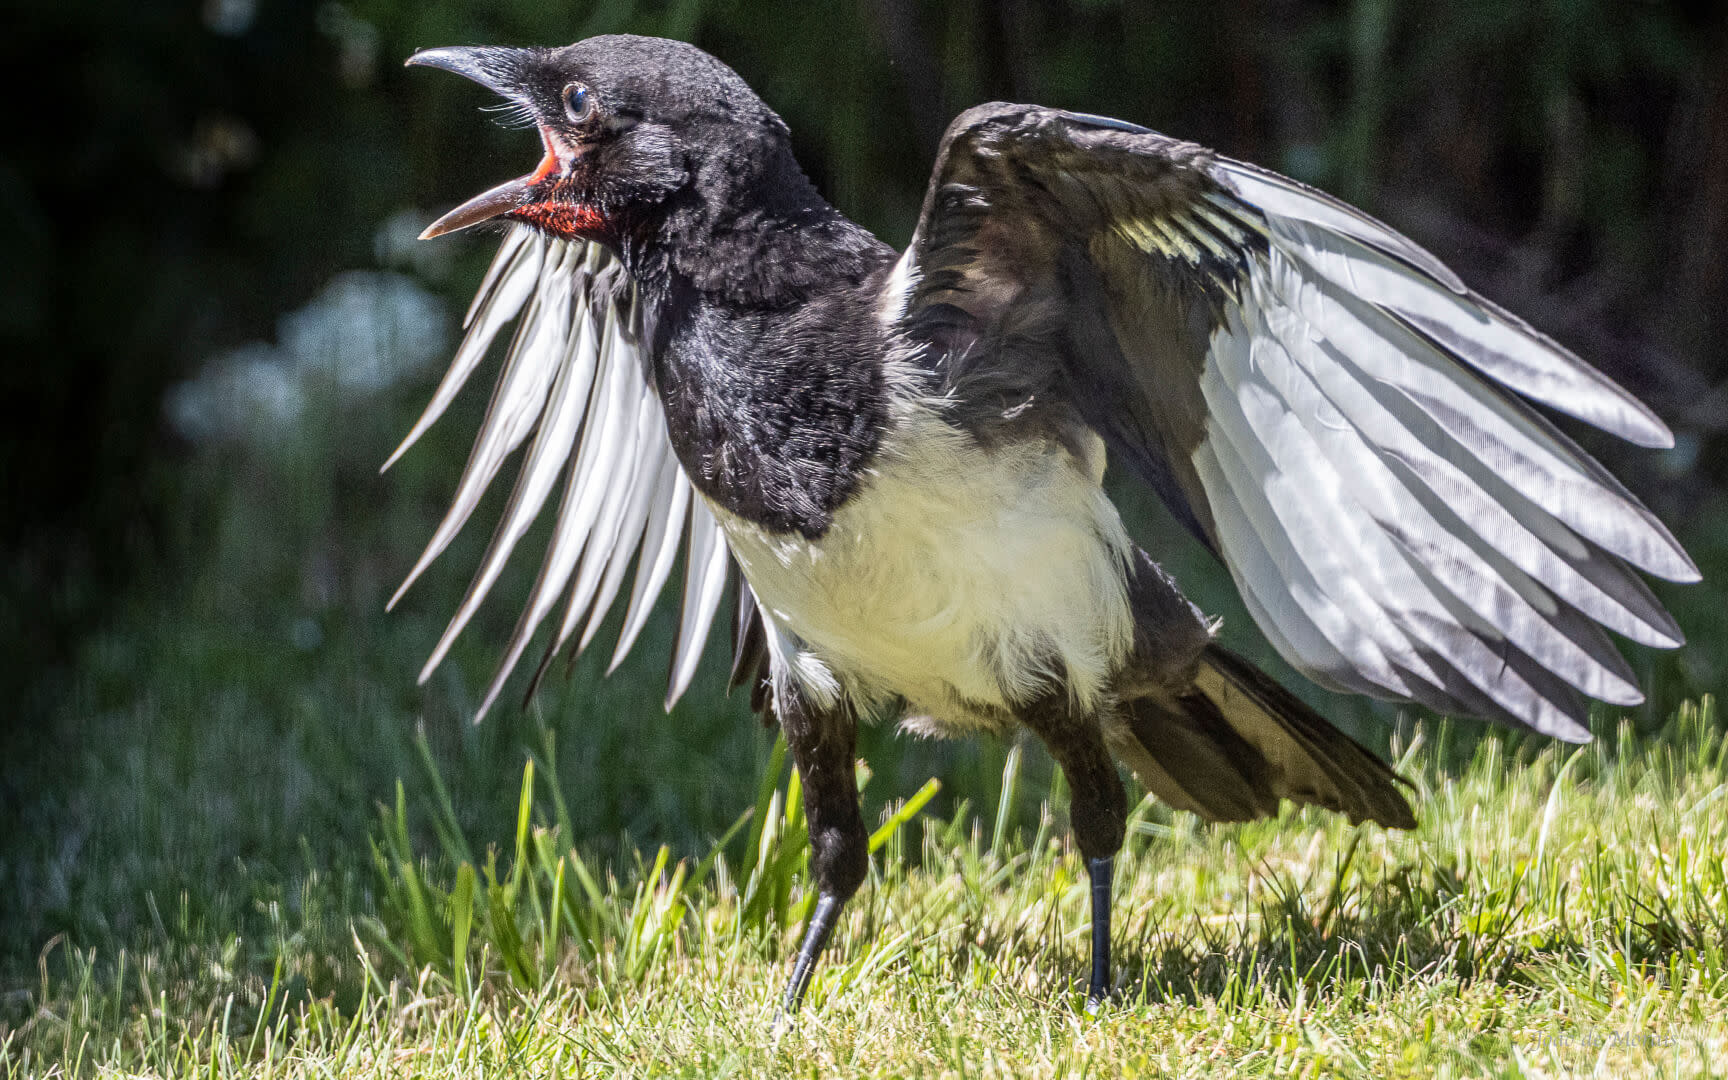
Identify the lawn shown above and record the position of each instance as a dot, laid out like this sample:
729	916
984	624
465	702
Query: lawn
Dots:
1558	911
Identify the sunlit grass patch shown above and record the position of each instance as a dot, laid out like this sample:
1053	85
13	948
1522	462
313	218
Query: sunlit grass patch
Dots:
1558	910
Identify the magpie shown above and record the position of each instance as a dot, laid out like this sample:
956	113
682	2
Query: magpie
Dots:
902	454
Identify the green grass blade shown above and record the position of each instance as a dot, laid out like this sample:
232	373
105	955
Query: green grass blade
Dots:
907	811
444	822
461	924
1005	801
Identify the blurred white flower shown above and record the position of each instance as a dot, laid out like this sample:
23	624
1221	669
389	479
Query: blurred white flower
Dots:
230	18
365	332
397	243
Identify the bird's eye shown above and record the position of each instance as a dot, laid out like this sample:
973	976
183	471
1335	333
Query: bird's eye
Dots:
578	103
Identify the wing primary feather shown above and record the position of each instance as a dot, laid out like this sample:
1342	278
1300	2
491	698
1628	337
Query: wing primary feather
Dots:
569	535
1503	597
1523	691
613	466
1578	572
1532	539
588	489
1297	493
545	460
1583	631
1476	332
704	585
591	474
1683	568
652	443
1504	435
1353	561
660	538
1307	557
493	307
1290	623
522	383
1259	191
514	240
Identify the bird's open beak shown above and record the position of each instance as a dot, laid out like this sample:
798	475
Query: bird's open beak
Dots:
510	196
499	70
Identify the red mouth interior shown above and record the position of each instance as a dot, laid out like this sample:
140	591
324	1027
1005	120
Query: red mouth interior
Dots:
570	220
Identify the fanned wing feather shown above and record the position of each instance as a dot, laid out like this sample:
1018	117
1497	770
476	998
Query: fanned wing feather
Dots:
518	260
635	499
1492	524
565	409
610	470
510	415
673	496
704	585
574	378
1288	200
1475	331
1345	421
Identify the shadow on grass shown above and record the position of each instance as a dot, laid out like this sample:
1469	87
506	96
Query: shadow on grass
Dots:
1423	923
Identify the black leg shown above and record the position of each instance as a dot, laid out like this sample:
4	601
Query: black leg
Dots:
1101	872
1098	813
824	745
821	925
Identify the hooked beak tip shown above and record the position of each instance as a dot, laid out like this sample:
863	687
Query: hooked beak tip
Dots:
497	69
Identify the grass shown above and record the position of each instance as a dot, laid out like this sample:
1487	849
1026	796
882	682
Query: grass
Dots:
1559	910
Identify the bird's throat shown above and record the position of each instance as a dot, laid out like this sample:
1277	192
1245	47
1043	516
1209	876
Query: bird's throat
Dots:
565	220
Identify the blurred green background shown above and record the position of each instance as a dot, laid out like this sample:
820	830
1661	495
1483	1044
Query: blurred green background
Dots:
217	323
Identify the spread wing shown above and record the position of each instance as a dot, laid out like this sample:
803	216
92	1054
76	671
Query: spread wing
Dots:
574	387
1319	399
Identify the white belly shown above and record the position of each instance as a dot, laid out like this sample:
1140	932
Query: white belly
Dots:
963	580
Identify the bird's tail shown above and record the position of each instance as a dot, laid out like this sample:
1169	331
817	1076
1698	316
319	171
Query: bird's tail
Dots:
1236	743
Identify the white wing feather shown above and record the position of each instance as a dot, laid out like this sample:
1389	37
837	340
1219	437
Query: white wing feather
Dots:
1397	524
1379	265
576	380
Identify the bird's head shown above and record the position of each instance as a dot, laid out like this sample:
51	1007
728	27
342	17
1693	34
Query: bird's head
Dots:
628	124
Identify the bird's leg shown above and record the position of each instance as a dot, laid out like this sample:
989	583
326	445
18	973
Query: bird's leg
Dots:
1101	872
823	744
1098	813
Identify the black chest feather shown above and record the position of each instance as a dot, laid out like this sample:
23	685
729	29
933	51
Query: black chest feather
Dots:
775	413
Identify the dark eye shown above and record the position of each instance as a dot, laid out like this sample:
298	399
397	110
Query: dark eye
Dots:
578	103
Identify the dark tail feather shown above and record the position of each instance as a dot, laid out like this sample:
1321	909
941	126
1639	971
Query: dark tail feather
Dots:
1238	742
